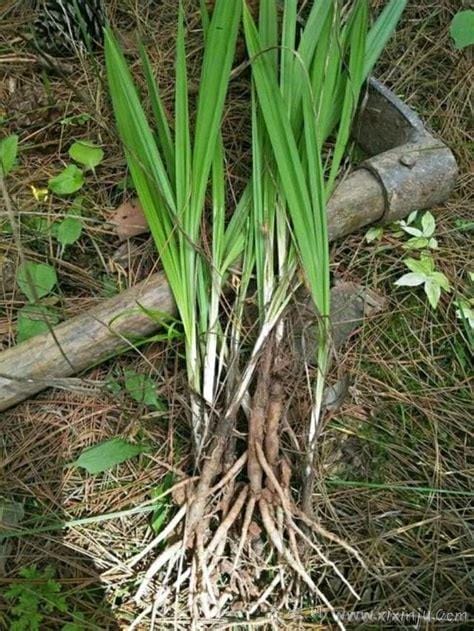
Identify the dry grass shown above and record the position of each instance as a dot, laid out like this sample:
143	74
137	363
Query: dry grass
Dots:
394	464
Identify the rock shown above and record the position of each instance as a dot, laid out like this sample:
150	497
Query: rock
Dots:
350	303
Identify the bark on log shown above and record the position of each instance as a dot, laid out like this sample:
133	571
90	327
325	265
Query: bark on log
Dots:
82	341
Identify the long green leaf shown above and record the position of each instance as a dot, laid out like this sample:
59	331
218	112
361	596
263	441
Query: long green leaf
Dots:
131	119
376	40
381	32
234	237
182	133
146	166
308	42
288	40
320	65
161	121
318	199
219	52
287	157
354	81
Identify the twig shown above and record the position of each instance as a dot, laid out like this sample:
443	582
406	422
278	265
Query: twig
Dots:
164	534
265	594
249	510
169	554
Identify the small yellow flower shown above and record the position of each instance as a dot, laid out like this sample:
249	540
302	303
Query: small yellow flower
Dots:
40	194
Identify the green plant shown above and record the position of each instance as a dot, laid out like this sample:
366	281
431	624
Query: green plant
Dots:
8	154
142	389
69	229
71	179
465	311
163	507
108	454
86	153
462	29
35	598
36	280
76	119
423	272
421	237
171	178
375	233
305	90
109	286
33	320
322	82
421	229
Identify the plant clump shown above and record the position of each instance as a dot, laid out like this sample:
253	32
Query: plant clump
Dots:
306	87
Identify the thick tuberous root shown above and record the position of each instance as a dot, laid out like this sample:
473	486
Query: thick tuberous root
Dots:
240	512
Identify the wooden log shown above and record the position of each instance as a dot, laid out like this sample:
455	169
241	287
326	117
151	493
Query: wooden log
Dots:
82	341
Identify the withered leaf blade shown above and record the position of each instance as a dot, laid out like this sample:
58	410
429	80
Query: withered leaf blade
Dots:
129	220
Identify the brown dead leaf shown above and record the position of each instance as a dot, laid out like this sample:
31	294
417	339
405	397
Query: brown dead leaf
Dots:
129	220
179	495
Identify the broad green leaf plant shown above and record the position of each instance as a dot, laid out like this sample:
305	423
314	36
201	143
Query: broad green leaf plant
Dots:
8	154
423	236
423	272
108	454
86	153
462	29
71	179
36	281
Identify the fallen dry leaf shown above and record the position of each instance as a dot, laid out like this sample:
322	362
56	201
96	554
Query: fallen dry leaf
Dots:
129	220
179	495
